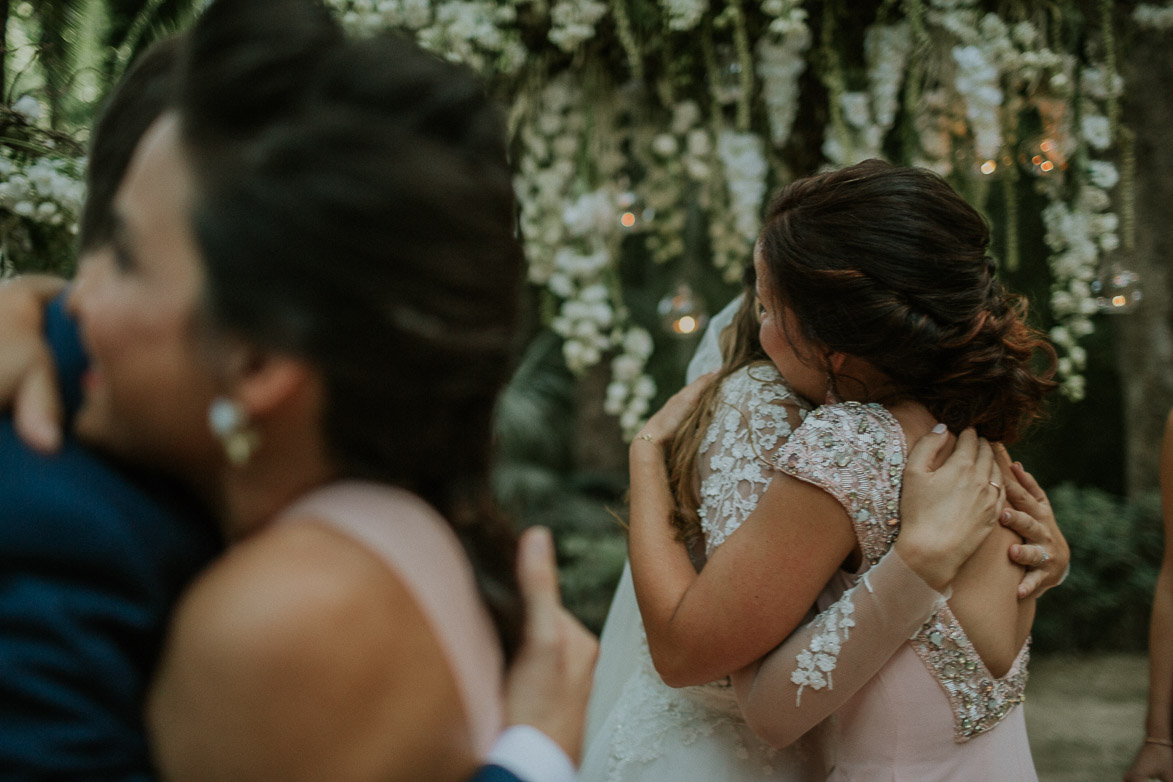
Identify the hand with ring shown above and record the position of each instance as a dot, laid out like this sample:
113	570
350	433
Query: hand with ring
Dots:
1044	550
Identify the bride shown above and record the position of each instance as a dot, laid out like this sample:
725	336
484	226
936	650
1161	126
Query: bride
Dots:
639	728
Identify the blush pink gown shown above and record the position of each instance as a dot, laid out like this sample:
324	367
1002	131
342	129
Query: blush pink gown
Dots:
418	545
933	711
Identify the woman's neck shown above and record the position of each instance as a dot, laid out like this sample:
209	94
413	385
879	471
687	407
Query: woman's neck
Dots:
290	461
857	380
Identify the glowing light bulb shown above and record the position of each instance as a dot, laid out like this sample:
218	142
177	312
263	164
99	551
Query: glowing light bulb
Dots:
682	312
1041	155
632	215
1118	290
989	167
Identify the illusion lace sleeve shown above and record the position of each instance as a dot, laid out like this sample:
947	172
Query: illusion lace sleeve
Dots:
814	671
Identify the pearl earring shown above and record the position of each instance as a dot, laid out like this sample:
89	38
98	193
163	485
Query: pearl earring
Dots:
230	423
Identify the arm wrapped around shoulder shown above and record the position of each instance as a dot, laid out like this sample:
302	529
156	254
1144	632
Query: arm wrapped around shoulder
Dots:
820	666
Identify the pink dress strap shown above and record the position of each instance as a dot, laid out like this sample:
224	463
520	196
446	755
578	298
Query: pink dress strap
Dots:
425	554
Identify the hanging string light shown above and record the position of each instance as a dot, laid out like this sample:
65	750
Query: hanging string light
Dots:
682	312
1118	290
1041	155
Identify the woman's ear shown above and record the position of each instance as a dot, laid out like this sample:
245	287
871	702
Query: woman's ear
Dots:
835	361
264	381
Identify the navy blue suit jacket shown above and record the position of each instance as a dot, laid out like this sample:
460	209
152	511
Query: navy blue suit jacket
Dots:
92	558
497	774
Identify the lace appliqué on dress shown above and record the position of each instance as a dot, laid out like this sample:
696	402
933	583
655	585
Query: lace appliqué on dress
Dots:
751	420
654	718
856	452
817	661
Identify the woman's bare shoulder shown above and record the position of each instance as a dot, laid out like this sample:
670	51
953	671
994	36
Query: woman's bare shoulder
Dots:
304	646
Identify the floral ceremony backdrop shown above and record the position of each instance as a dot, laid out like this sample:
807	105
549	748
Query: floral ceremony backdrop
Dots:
647	136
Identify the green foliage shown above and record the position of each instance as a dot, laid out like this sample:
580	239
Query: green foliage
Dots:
1116	548
590	566
537	482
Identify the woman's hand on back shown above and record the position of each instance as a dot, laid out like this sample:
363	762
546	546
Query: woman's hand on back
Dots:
661	427
947	508
1044	551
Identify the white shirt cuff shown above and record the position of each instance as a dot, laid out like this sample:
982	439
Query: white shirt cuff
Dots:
531	755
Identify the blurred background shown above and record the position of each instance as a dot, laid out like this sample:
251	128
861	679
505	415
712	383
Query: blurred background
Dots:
647	136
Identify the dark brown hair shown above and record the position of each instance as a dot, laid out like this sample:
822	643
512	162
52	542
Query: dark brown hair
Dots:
891	265
140	97
354	207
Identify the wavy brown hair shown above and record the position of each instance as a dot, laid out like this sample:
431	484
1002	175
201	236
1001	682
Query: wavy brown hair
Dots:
740	348
891	265
354	207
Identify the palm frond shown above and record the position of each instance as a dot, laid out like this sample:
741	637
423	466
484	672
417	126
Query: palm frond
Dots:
135	24
534	413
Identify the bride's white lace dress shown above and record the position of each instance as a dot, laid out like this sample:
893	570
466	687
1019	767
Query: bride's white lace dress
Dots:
639	728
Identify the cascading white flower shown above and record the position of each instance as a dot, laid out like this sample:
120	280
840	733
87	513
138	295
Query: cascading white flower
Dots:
1150	16
684	15
550	142
676	159
868	116
781	59
886	48
1079	233
977	82
573	21
630	392
744	167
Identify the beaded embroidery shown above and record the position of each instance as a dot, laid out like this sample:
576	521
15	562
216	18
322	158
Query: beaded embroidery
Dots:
979	700
856	453
847	450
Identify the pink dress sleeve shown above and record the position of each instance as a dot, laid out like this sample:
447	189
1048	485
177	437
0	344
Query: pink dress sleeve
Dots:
855	453
824	663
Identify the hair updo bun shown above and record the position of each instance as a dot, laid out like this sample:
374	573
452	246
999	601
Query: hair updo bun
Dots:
891	265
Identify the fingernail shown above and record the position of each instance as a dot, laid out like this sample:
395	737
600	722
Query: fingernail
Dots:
48	435
940	429
1006	516
1015	550
539	542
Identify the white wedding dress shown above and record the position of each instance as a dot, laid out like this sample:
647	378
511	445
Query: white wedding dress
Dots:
639	728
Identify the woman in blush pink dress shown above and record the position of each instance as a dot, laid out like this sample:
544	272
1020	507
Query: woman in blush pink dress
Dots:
878	296
307	307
